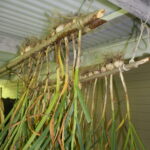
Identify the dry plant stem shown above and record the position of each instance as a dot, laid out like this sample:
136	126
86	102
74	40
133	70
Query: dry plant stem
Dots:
93	98
79	50
19	76
47	61
48	72
43	120
17	107
126	94
65	86
66	67
56	53
52	121
111	95
105	98
76	82
48	78
30	65
33	83
105	103
39	68
28	119
74	51
92	108
39	98
52	124
112	141
60	59
62	127
32	116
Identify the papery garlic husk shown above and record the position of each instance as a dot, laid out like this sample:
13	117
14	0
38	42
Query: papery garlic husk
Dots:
118	63
96	72
109	66
121	63
60	28
90	74
28	48
103	69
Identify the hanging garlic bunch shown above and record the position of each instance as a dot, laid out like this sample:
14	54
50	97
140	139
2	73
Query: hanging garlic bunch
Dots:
103	69
110	62
114	61
90	74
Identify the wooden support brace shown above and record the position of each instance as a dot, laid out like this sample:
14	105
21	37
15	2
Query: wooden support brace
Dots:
116	70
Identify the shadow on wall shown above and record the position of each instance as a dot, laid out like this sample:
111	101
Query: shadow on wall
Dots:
8	105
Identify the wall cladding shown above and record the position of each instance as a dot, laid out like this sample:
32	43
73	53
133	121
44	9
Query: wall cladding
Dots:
138	84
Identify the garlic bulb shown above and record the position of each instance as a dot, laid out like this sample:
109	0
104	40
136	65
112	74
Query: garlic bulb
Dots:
118	63
109	66
60	28
103	69
96	72
121	63
90	74
28	48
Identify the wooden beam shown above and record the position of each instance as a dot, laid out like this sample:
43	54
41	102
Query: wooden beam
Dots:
125	67
89	22
116	70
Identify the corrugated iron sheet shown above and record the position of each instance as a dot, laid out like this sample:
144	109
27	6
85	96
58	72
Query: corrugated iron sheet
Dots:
19	19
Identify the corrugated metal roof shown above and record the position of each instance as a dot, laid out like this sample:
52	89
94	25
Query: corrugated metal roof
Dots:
19	19
115	30
27	17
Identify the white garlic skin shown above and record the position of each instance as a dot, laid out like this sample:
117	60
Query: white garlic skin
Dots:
60	28
118	63
121	63
28	48
96	72
103	69
109	66
90	74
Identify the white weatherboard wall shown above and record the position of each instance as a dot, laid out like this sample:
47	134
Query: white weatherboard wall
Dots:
138	84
